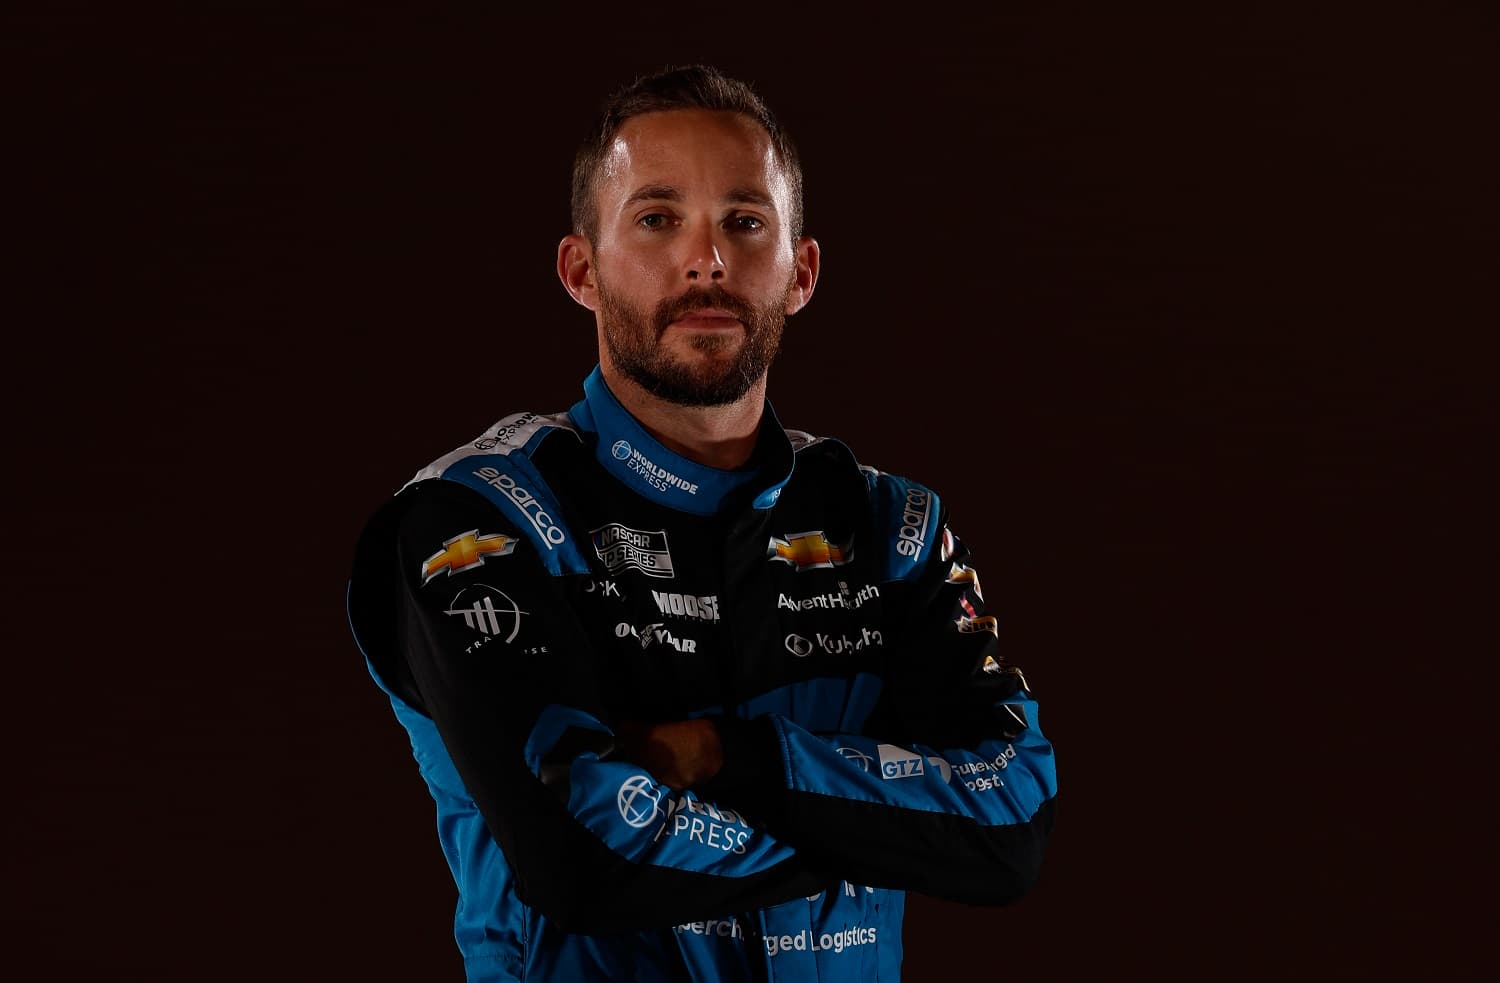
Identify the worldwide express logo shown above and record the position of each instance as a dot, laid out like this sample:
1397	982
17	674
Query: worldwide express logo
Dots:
652	473
810	551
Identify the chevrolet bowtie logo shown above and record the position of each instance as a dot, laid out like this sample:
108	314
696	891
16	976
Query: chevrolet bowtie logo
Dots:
960	574
810	551
465	551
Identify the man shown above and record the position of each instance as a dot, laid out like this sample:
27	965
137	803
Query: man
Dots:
696	696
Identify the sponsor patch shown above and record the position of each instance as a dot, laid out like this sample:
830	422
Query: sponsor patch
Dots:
833	644
504	434
657	634
845	599
984	776
972	626
916	513
810	551
466	551
960	574
639	801
604	588
697	607
643	805
526	503
651	473
898	762
621	548
807	941
488	611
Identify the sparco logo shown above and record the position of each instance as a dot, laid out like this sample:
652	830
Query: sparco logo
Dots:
639	801
909	541
703	608
623	548
551	533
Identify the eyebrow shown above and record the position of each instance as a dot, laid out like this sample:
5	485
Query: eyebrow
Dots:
665	192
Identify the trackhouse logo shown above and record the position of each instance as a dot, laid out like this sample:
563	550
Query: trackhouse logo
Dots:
488	611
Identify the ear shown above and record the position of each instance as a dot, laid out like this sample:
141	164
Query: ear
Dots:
575	268
805	277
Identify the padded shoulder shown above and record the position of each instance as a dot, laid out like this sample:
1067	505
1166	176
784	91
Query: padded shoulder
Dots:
519	432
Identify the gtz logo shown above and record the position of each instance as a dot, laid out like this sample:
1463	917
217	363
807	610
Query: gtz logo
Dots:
621	450
898	762
639	801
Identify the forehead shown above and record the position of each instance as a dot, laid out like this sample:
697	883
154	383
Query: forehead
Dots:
695	150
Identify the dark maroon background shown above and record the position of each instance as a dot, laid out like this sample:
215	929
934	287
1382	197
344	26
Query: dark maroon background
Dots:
1189	320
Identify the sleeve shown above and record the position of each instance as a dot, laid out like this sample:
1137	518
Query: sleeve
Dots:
499	661
949	788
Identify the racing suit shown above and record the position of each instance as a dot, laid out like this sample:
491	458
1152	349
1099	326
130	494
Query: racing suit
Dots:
563	573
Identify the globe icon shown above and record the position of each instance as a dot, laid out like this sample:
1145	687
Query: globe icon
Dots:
620	449
638	801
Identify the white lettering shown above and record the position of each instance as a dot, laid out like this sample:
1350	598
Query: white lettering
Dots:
552	534
702	608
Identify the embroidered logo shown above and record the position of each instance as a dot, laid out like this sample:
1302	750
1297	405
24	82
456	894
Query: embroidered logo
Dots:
465	551
810	551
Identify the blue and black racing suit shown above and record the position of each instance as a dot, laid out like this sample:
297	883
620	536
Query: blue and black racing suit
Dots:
563	573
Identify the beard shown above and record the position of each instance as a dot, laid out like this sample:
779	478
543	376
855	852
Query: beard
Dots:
633	337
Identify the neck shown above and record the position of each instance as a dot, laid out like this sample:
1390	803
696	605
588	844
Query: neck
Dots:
716	436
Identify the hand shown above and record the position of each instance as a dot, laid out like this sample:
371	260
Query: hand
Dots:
678	753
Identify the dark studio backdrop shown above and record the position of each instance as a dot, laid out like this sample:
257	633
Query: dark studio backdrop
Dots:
1187	318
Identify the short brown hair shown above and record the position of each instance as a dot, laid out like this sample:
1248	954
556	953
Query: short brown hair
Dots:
687	87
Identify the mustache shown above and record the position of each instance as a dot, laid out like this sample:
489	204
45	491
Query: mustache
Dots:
698	298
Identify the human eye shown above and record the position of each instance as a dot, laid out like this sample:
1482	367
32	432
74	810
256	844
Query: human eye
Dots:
746	223
652	222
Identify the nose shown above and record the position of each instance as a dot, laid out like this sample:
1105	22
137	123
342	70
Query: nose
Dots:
703	260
